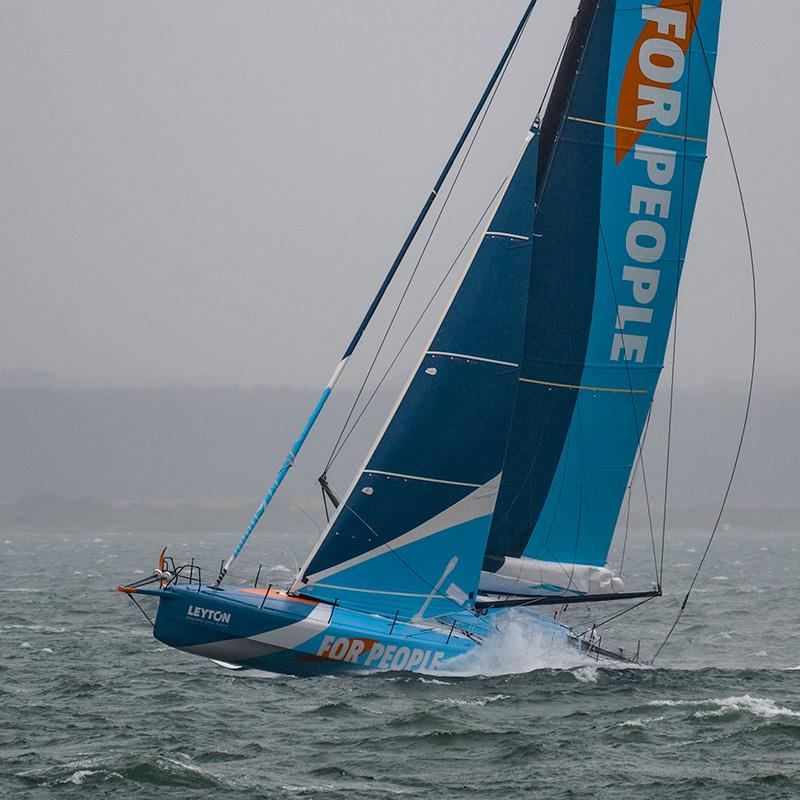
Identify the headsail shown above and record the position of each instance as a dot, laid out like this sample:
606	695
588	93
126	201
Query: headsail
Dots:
625	141
410	535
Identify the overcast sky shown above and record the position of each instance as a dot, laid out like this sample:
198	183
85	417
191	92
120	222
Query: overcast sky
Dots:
210	193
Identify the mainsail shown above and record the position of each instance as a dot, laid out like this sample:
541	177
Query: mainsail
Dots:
410	535
623	147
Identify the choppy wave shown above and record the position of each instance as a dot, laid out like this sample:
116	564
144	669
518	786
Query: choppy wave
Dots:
94	708
716	707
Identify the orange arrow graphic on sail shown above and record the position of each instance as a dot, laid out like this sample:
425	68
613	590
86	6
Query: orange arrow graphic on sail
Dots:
630	125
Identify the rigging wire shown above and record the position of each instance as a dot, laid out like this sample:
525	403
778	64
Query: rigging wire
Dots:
639	428
555	70
418	322
751	384
679	272
630	490
617	615
146	615
342	437
299	508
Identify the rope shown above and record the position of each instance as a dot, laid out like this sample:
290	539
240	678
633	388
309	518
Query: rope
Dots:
751	383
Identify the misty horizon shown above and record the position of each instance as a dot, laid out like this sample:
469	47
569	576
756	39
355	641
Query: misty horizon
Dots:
185	210
117	455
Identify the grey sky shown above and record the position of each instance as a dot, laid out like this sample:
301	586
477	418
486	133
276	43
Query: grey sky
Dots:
211	192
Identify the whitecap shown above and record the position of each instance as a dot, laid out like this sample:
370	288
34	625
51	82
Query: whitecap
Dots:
478	701
587	674
38	628
640	723
79	776
757	706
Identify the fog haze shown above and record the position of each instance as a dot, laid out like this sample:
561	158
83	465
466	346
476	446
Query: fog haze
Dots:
199	201
210	194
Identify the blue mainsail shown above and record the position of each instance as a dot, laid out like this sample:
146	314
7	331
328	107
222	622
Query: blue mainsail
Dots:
410	535
623	147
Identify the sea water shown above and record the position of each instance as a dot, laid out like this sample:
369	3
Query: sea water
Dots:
91	706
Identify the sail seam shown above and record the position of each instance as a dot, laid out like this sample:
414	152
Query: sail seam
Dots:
637	130
473	358
516	236
584	388
421	478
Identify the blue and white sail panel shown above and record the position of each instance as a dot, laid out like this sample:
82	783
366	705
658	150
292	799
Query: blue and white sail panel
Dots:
613	219
411	533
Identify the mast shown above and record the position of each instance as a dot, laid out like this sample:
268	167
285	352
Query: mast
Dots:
296	447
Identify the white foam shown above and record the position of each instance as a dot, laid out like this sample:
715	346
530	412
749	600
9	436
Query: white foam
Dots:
522	642
79	776
478	701
586	674
757	706
39	628
257	674
640	723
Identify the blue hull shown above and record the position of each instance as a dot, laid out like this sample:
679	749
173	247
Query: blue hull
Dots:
278	633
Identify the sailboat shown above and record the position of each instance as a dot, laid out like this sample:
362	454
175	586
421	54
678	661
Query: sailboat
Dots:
498	477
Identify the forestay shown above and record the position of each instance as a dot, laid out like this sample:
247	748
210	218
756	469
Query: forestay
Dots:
624	140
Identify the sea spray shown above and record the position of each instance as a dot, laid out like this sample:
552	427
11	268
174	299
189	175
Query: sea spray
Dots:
523	642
